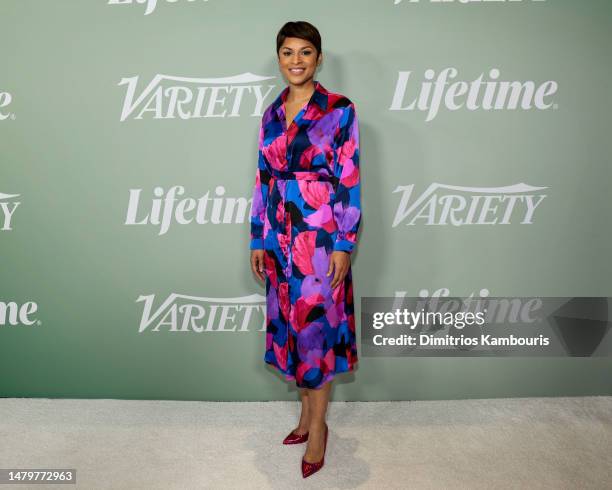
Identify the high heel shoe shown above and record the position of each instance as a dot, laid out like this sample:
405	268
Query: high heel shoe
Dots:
293	438
310	468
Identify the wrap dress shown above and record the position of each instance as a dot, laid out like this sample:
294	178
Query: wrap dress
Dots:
305	205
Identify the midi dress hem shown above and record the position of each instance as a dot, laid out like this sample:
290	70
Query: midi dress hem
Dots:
329	377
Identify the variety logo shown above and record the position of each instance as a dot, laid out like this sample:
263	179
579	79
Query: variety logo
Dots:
13	314
166	208
151	4
7	208
169	97
444	205
182	313
478	94
396	2
5	100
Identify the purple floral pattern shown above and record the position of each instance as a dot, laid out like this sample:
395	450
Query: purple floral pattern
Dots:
306	205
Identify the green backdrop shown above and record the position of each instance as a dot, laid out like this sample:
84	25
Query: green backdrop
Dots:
102	102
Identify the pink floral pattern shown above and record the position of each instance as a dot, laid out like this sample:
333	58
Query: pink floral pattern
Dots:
306	205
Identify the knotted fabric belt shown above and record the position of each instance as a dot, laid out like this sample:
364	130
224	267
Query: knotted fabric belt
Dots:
304	175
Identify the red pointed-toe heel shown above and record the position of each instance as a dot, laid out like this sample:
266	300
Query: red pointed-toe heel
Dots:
310	468
293	438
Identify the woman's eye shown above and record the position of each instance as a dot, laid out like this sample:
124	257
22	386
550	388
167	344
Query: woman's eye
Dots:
304	53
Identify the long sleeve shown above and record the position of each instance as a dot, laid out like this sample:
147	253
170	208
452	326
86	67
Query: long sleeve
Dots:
260	196
347	200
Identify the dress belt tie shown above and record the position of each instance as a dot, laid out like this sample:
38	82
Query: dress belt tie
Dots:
304	175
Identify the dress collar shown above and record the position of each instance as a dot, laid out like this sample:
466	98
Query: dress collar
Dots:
319	96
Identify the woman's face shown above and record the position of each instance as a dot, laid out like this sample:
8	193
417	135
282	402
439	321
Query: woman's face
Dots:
297	60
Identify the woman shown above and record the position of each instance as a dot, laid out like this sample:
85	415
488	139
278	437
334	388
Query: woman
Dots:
304	220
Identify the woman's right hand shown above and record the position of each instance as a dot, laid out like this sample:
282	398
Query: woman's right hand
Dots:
257	263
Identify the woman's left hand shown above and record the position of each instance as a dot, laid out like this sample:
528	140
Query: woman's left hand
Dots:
339	262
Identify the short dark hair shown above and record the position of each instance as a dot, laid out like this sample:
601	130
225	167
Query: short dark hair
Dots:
301	29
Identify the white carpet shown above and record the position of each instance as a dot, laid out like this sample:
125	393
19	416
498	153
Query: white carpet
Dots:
534	443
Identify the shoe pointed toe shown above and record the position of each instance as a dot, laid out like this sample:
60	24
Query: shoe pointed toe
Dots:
310	468
293	438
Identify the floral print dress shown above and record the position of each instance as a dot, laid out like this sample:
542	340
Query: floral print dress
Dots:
306	204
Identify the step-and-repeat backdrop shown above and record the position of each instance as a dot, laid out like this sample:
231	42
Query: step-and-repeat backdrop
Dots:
128	145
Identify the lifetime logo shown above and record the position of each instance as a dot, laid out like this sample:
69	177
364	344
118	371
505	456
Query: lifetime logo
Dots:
166	208
442	292
490	94
13	314
5	100
456	205
151	5
169	96
7	209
